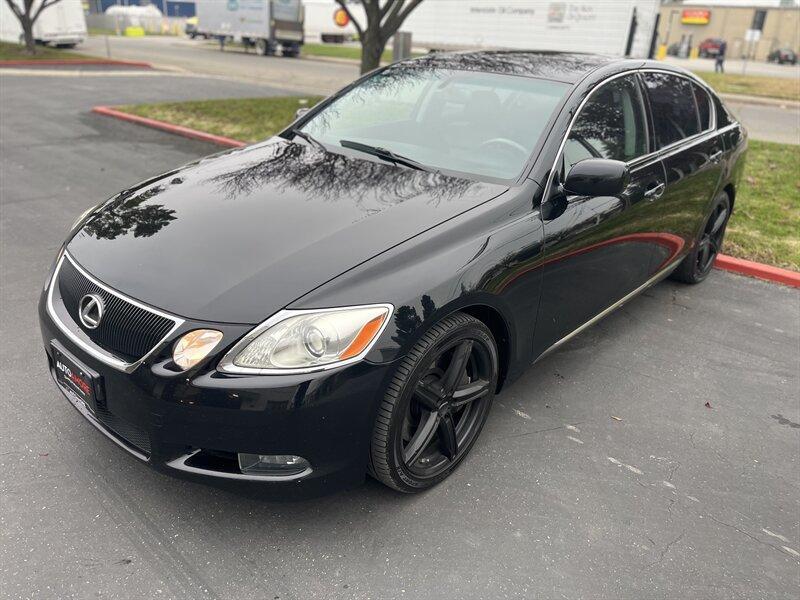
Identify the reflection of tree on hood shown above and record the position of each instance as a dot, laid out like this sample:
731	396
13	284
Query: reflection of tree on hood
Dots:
334	177
126	214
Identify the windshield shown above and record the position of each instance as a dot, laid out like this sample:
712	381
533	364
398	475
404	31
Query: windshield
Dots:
485	124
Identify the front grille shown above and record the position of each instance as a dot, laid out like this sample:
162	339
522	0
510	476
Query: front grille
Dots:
126	330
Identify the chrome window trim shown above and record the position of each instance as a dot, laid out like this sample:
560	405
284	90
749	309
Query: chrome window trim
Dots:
92	349
645	159
226	364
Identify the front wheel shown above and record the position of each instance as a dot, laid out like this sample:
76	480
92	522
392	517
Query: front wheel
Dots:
699	262
435	405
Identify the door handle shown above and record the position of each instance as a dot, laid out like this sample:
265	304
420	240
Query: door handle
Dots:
716	156
655	192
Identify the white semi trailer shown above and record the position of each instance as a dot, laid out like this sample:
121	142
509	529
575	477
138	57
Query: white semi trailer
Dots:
62	24
265	24
617	27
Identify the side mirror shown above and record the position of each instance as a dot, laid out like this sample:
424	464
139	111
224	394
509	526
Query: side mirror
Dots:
598	177
300	112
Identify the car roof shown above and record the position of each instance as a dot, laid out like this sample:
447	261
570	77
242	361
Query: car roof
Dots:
568	67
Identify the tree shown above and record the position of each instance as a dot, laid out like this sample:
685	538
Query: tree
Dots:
383	21
27	16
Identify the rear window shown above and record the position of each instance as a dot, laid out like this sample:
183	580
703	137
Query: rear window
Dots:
675	114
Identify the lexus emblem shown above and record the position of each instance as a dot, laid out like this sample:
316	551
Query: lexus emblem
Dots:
90	310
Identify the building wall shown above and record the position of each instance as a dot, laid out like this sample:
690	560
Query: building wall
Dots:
781	28
170	8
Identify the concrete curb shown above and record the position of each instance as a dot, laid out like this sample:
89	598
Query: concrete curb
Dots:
758	270
168	127
726	263
47	62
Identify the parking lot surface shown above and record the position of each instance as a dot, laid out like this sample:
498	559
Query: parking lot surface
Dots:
654	456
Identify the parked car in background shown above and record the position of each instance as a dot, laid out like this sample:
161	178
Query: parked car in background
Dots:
350	295
783	56
190	28
709	47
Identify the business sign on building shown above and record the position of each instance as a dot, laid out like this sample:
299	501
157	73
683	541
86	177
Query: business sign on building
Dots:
694	16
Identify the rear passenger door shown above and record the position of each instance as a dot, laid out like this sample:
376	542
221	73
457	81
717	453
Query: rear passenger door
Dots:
599	248
682	117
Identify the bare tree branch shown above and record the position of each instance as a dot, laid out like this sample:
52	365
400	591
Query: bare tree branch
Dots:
14	8
42	6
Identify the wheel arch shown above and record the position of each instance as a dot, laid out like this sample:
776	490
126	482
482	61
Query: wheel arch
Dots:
731	191
497	324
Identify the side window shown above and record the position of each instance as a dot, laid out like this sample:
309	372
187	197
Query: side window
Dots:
675	115
723	116
611	125
703	106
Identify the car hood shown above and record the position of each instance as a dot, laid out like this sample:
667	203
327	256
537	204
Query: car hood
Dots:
236	237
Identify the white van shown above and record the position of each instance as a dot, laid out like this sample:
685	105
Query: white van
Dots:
62	24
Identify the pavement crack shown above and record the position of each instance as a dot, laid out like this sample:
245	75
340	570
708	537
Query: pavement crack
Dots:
752	537
664	551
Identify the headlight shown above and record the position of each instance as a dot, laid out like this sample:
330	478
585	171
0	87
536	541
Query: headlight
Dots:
301	341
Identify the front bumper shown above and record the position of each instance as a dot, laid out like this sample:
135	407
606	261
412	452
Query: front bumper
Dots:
188	423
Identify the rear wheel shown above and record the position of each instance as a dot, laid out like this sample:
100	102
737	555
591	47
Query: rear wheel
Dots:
435	405
698	264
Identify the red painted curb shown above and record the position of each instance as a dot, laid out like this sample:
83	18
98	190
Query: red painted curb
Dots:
726	263
169	127
758	270
49	62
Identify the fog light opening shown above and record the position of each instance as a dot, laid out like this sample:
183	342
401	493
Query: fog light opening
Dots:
272	464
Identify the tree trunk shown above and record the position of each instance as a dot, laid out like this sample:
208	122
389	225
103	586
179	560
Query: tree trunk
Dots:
372	47
27	31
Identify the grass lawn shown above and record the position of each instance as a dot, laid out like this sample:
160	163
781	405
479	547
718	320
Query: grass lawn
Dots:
342	51
765	226
753	85
17	52
249	119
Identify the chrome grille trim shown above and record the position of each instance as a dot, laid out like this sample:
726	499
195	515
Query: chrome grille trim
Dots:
86	344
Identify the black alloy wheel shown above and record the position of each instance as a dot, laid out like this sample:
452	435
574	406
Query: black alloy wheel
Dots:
435	405
698	264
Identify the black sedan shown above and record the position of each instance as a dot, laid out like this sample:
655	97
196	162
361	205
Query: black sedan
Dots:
350	295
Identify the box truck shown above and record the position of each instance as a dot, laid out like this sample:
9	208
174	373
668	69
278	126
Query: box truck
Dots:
62	24
617	27
265	24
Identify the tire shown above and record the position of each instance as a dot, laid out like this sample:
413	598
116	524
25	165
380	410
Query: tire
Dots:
435	405
699	262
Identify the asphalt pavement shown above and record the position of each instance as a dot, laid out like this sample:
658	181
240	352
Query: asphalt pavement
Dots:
654	456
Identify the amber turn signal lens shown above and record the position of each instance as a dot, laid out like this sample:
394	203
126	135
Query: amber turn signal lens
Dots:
194	347
363	338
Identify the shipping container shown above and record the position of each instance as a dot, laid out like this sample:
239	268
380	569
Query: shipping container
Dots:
616	27
265	24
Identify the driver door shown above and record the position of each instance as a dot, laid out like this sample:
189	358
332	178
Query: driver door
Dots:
597	248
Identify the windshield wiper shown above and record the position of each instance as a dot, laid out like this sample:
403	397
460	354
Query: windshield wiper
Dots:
309	138
385	154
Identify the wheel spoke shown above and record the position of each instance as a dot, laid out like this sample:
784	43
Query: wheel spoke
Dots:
425	433
429	395
457	366
470	392
447	436
719	222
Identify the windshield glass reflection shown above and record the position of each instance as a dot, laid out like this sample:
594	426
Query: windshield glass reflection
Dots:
485	124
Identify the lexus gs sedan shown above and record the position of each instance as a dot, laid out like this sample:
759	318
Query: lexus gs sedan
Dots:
349	296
